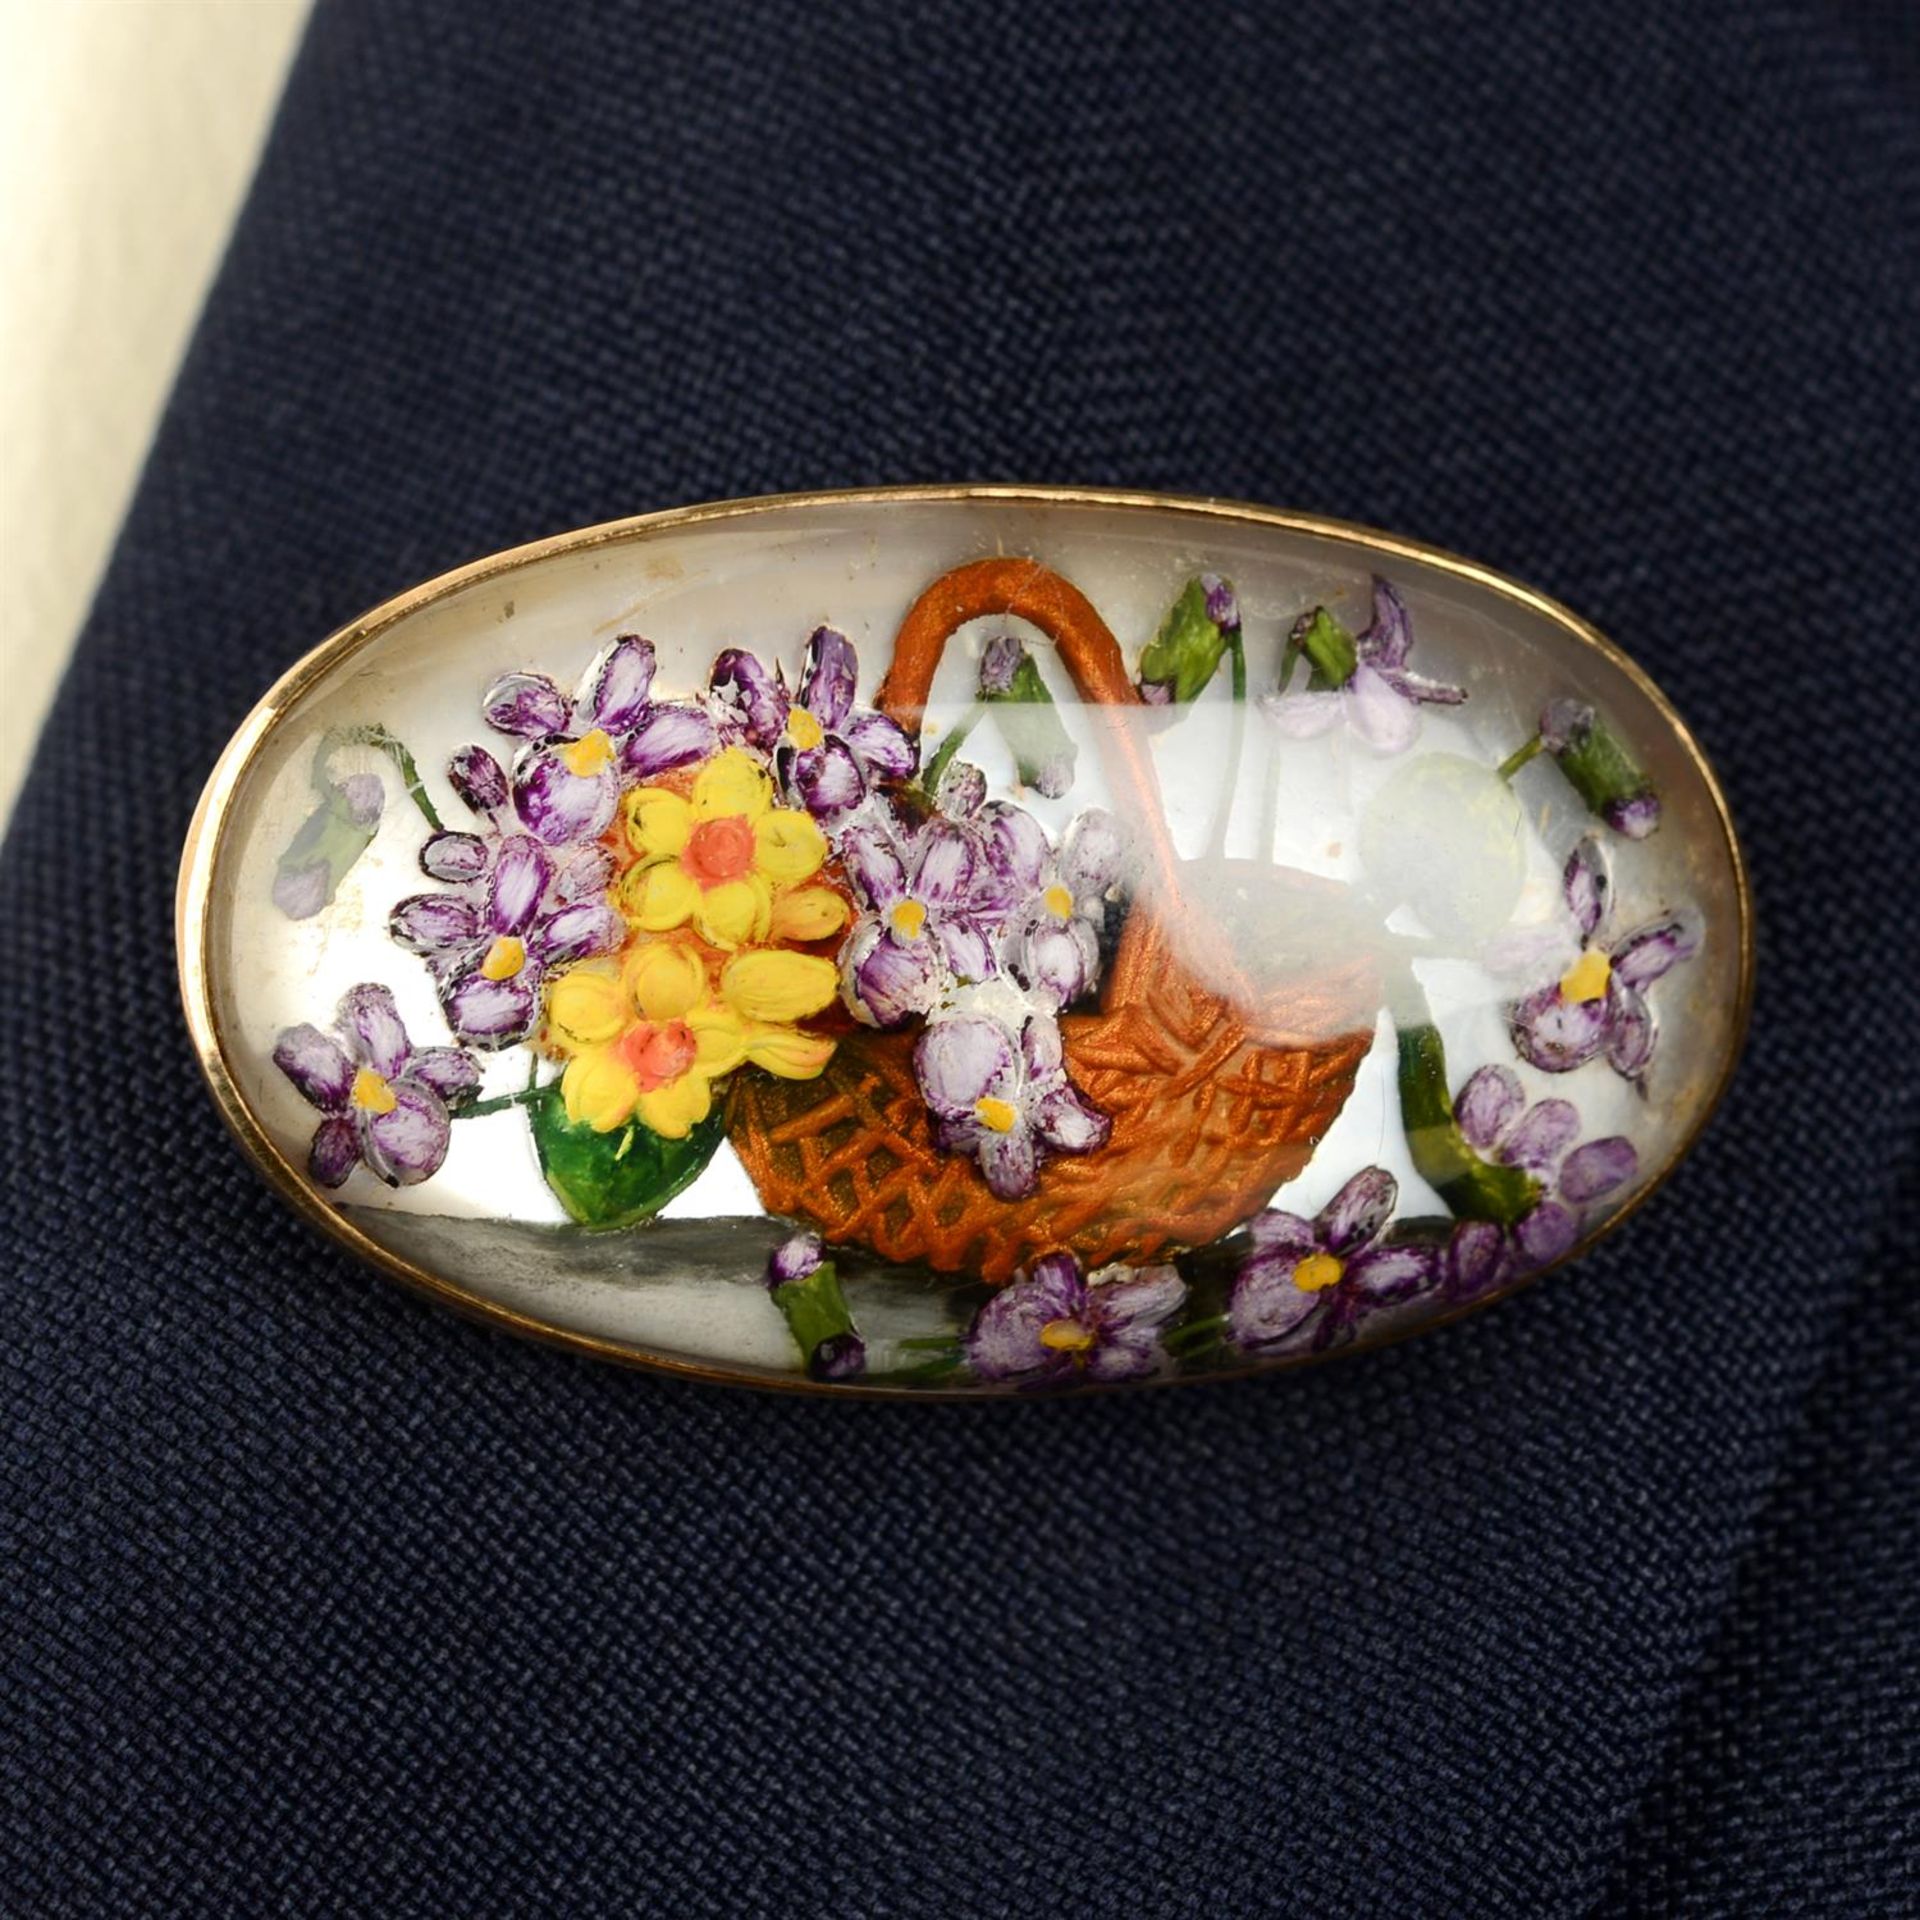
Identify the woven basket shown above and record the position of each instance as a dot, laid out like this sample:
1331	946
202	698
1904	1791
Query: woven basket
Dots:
1218	1093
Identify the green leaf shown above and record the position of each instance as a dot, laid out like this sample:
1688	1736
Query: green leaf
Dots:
321	854
1185	654
1329	649
1042	748
608	1180
816	1312
1474	1188
1598	764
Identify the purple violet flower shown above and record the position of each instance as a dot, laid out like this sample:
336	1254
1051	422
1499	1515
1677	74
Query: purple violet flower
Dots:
1016	859
489	944
458	857
825	752
1052	945
1051	1327
798	1257
1636	817
1223	604
567	777
1493	1114
1597	1004
1308	1283
935	900
999	661
383	1100
1003	1100
1365	680
514	910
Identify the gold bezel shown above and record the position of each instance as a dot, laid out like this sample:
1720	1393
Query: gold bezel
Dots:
206	837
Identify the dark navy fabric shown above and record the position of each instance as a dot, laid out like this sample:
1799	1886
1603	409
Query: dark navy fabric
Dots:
321	1600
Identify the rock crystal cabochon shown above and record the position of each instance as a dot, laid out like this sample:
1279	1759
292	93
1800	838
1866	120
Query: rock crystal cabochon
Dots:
974	940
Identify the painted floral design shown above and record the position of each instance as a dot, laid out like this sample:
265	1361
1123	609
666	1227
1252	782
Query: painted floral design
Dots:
1053	1326
1307	1284
1363	681
460	856
1201	629
330	840
806	1289
649	1038
935	901
826	753
1003	1098
1599	767
725	860
383	1101
1597	1005
676	905
1009	683
491	943
1052	945
796	1258
568	773
1539	1139
975	892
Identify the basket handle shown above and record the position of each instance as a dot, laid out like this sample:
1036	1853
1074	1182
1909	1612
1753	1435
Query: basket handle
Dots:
1028	591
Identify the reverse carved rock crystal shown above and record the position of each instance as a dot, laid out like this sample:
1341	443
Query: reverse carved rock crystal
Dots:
967	940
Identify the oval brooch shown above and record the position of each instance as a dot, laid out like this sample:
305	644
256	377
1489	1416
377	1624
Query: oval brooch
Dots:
966	940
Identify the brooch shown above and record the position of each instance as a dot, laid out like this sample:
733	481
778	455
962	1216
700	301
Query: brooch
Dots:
966	940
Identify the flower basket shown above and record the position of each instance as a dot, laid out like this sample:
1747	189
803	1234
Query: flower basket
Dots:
1218	1091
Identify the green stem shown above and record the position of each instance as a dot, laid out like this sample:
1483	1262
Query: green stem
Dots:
1519	757
499	1103
1289	657
955	740
1474	1188
394	748
1196	1335
928	1373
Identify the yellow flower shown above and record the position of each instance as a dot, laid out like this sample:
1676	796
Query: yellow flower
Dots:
648	1038
721	858
769	991
772	985
806	914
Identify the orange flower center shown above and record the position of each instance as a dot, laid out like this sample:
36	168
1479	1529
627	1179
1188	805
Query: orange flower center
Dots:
656	1056
719	850
999	1116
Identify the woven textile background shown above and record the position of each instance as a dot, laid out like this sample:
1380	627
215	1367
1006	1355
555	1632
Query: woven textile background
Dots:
321	1600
